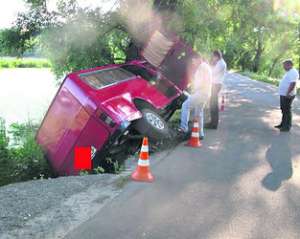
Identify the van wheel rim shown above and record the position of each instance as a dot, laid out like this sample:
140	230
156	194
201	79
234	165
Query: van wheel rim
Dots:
155	121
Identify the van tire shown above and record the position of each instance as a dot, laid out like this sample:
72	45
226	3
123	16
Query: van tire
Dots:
152	125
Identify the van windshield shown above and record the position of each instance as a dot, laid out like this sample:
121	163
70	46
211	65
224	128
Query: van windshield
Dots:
99	79
154	78
140	71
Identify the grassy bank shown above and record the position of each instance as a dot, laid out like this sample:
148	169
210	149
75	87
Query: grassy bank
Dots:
263	78
24	63
23	159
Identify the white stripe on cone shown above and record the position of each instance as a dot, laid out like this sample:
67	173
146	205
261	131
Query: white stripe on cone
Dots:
194	134
145	148
143	163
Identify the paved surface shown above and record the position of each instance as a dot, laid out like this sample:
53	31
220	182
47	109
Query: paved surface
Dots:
44	208
244	182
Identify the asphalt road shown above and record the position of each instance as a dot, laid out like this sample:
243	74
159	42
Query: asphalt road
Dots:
243	183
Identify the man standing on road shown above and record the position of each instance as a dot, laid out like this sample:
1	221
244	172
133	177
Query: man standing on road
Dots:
201	91
287	91
219	70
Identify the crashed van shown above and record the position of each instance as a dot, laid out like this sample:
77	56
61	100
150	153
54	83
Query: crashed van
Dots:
109	107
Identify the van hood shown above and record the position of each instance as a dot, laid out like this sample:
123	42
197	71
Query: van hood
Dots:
172	56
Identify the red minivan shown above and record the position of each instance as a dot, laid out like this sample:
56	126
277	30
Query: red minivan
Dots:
108	107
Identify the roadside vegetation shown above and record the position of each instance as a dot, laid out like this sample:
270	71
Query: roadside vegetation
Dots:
21	158
261	77
24	63
264	78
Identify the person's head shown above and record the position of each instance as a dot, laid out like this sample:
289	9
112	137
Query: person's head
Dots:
217	55
288	64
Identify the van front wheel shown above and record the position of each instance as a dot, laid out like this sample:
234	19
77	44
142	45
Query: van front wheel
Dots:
152	125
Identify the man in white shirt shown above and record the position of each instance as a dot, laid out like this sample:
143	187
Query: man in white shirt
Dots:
218	73
201	91
287	91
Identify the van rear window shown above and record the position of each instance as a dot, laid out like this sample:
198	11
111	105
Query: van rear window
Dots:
99	79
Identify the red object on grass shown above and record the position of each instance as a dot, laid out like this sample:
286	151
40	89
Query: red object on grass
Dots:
83	158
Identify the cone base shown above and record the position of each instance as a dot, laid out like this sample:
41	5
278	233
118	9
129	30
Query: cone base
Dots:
193	145
147	178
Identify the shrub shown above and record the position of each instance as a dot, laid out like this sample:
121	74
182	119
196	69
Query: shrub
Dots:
29	161
5	162
23	159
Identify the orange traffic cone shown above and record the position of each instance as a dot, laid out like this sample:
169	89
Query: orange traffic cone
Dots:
195	140
223	103
142	172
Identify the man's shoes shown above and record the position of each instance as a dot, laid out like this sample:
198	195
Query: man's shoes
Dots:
201	137
278	126
182	134
284	129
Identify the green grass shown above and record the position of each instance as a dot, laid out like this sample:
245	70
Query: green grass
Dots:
24	160
264	78
24	63
261	77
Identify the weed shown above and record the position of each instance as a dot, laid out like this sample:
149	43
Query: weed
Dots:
99	170
83	173
24	159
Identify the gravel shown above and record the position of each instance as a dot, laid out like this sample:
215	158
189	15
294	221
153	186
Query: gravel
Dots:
45	208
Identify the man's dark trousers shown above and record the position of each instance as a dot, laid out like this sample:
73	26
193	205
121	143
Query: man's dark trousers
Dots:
214	105
286	109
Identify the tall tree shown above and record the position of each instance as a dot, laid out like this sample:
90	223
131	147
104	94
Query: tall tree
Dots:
254	35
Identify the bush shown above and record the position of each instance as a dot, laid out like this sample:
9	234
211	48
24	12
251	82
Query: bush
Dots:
5	163
23	159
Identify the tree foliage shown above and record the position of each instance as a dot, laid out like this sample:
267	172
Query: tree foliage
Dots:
254	35
74	38
13	42
22	37
251	33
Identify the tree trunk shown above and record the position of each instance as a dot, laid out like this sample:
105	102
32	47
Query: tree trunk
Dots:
132	52
259	51
275	61
299	44
163	5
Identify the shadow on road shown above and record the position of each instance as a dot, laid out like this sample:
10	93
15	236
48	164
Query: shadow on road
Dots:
279	157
